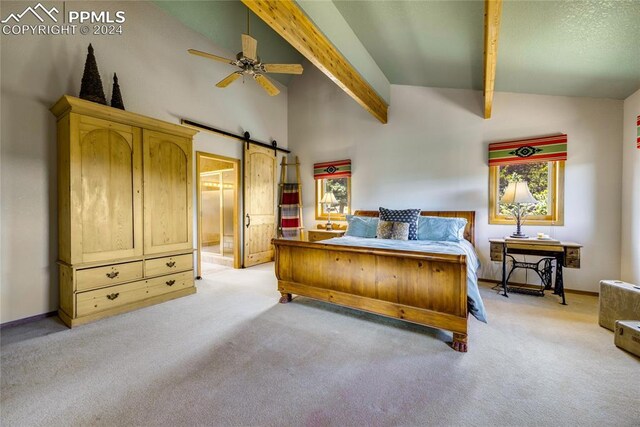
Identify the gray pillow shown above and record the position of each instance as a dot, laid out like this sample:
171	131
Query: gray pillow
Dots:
393	230
442	229
361	226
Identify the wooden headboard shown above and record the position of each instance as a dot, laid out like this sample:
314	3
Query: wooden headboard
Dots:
470	216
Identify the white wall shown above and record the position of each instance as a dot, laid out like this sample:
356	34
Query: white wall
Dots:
158	78
631	192
433	155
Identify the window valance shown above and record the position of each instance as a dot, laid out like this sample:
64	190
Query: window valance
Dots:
547	149
337	169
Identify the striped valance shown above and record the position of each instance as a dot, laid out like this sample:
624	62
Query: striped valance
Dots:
338	169
638	138
547	149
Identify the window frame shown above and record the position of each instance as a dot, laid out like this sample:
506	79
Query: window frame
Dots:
320	215
556	191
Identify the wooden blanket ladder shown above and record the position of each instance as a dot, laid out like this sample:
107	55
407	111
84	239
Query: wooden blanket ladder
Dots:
290	224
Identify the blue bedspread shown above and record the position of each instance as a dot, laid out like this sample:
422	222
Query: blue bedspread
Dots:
475	304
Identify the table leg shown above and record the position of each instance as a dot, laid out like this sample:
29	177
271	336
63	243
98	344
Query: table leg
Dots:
546	273
559	287
504	270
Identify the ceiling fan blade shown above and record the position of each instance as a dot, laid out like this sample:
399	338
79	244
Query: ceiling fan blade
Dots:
229	79
249	46
210	56
263	81
283	68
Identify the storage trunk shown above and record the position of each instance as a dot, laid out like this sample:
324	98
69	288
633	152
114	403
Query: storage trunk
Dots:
618	301
628	336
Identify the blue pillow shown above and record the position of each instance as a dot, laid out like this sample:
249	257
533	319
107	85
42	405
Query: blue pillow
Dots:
441	229
409	216
361	226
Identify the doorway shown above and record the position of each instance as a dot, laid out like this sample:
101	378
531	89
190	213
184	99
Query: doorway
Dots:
218	181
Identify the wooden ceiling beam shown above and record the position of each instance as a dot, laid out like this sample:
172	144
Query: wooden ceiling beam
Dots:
492	12
288	20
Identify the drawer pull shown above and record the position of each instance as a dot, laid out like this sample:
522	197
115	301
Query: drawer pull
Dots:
171	263
113	274
170	282
113	296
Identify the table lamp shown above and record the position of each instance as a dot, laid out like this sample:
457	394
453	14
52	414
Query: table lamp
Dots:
329	200
518	194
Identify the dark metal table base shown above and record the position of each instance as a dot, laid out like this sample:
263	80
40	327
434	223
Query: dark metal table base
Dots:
523	290
544	269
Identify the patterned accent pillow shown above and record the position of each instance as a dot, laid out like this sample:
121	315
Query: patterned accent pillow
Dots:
441	229
393	230
361	226
410	216
384	230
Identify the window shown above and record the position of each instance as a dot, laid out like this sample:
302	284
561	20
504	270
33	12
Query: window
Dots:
333	177
546	183
341	189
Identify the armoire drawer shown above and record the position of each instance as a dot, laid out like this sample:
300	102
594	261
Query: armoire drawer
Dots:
167	265
170	283
111	297
92	278
115	296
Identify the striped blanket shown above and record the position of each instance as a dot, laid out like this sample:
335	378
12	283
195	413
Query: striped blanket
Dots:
290	211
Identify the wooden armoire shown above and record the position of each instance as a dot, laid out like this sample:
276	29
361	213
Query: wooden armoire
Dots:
125	219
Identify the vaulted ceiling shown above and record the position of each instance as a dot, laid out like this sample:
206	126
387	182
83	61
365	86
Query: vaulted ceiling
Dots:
422	43
573	48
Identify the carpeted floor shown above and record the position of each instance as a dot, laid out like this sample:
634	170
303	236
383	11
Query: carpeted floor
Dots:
231	355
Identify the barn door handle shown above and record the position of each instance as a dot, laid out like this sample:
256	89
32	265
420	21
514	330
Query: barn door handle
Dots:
171	263
113	296
170	282
113	274
248	221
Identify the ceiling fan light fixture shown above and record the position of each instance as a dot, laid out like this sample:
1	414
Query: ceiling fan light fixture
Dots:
250	64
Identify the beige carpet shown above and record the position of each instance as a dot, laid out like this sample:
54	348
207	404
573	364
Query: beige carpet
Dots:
230	355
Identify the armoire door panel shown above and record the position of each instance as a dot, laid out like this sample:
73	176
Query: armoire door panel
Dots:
259	200
167	192
107	175
108	197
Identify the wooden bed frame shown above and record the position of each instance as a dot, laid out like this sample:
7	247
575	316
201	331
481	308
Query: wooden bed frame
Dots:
425	288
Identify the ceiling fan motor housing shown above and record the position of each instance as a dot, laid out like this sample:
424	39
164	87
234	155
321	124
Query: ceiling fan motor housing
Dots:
248	65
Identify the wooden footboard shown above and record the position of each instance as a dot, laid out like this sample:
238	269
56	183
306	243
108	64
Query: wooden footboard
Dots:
428	289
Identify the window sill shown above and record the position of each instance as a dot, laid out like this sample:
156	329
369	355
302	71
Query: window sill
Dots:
504	221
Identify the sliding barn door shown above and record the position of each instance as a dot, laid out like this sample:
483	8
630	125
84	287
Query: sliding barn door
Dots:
259	204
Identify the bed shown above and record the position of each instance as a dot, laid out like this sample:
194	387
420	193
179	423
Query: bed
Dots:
427	285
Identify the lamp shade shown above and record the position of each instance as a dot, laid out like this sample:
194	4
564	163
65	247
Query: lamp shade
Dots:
517	192
329	199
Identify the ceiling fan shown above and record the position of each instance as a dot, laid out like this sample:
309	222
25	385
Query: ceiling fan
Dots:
251	65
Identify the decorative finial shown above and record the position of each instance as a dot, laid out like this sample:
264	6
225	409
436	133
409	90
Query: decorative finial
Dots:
91	88
116	96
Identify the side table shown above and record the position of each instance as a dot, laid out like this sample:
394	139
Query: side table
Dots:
566	254
317	235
